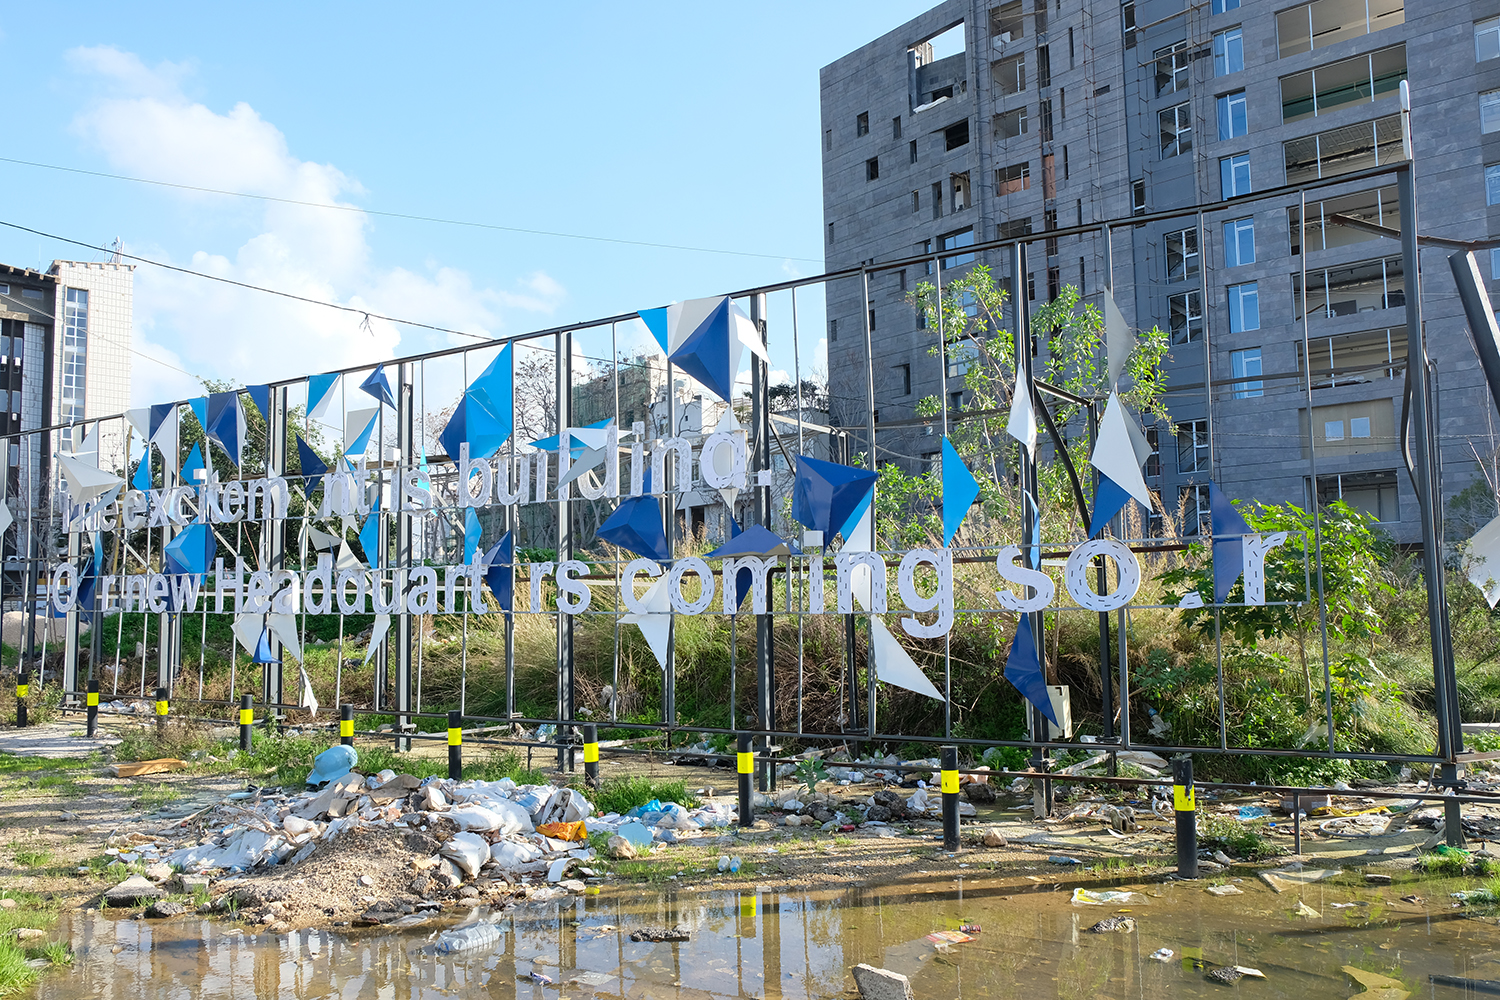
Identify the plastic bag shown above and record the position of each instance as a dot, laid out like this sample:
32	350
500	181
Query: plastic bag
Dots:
1110	898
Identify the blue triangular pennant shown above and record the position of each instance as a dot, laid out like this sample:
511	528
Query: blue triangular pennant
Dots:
192	551
472	533
142	478
160	413
636	525
500	572
1109	499
317	388
226	423
1023	668
369	536
379	386
825	495
312	466
960	489
1228	546
656	322
263	652
192	466
260	395
706	353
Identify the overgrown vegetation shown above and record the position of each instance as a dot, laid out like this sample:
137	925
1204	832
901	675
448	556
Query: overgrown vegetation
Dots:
1240	840
620	795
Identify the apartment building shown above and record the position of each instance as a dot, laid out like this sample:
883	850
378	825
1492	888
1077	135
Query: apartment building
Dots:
978	121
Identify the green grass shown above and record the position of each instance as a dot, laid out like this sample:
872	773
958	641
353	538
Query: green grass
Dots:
620	795
32	910
1240	839
153	797
1450	863
57	953
28	856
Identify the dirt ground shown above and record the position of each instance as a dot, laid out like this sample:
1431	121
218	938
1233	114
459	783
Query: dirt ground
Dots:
60	813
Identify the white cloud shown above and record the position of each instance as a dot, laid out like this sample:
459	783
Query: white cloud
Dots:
144	126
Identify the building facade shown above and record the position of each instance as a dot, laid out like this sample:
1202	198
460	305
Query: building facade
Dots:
982	121
65	337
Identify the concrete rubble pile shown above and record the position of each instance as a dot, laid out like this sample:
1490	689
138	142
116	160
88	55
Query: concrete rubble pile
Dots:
517	831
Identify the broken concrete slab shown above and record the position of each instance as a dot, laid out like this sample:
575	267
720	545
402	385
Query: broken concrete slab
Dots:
134	891
1282	879
398	787
165	908
881	984
192	883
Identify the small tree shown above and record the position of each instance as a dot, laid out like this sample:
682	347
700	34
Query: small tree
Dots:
1349	571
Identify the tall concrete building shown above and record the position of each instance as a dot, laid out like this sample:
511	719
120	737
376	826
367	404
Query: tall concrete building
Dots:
978	121
65	339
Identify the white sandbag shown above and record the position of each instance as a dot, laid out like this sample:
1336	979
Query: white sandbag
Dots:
475	817
467	850
510	854
566	806
513	818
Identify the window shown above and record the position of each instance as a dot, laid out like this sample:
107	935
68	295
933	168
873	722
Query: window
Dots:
903	373
1192	446
1049	223
955	401
952	241
937	201
1333	430
913	149
872	321
1016	177
1239	242
1234	115
1489	111
1127	20
1010	124
872	168
1009	74
1007	23
1487	39
1013	229
916	201
1221	6
33	293
1491	184
901	280
1354	358
1354	288
828	139
1373	493
1229	51
1359	80
959	183
1244	307
1180	250
1138	197
4	288
1043	59
75	353
1357	428
1044	119
833	330
956	135
1344	150
1185	319
830	234
1234	175
1153	461
1176	130
1495	264
862	123
926	248
896	127
1322	233
1327	22
1172	68
1246	364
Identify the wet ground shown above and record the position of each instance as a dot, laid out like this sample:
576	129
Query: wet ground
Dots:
781	944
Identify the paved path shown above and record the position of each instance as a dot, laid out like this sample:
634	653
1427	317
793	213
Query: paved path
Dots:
55	740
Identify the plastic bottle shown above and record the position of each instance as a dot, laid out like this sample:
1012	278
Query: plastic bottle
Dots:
467	938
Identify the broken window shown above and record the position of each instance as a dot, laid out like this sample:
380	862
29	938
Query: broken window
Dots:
1009	74
956	135
1172	68
1176	130
961	196
1007	23
1009	124
1016	177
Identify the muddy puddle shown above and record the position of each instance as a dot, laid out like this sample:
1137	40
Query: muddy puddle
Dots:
781	944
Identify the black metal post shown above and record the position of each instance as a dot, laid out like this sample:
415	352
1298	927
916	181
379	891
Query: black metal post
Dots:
23	688
950	797
162	706
455	746
746	761
247	719
346	725
591	755
1185	805
93	708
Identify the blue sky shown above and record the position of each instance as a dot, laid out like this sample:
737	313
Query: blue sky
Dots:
687	124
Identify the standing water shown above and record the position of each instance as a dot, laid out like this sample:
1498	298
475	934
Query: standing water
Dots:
787	944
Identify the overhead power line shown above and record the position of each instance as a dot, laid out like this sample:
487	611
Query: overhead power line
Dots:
410	217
